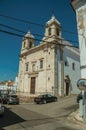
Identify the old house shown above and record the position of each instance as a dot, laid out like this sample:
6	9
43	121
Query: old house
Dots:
79	7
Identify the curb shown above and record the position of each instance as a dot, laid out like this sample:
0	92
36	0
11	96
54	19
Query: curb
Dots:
75	116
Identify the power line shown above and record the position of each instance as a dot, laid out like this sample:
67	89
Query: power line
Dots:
33	33
18	30
21	20
18	35
37	24
3	25
12	28
70	32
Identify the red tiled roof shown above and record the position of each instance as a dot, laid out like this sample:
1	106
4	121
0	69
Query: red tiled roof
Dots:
2	83
11	83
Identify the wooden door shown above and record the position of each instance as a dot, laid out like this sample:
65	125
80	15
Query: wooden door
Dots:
32	86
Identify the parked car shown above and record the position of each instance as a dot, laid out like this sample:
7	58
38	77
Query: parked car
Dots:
79	97
45	98
1	107
11	99
4	98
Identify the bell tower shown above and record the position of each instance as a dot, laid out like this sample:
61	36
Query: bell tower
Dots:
27	42
53	29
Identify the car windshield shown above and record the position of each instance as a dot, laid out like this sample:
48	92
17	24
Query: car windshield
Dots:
47	95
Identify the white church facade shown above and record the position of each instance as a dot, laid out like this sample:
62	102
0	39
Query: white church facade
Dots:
50	67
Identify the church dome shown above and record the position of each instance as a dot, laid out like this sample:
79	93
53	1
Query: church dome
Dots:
29	35
53	19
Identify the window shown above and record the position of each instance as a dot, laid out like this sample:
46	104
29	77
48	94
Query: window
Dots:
49	66
33	67
41	64
49	31
66	63
32	87
30	44
73	66
24	44
57	32
26	66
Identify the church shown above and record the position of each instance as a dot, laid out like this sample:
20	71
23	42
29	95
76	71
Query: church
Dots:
53	66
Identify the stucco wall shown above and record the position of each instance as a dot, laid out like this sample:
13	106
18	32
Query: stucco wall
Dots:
81	26
74	75
44	76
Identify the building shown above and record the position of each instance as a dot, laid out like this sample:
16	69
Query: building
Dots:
79	7
3	86
9	86
51	67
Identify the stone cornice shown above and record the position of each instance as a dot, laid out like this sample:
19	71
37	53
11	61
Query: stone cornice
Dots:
43	46
76	52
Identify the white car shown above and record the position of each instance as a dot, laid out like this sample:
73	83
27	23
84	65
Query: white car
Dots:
1	108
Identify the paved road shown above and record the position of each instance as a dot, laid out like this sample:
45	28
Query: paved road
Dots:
51	116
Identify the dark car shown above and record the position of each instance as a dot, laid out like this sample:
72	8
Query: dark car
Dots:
79	97
1	107
3	97
11	99
45	98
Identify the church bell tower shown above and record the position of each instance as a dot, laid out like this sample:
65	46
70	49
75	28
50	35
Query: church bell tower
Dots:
53	30
27	42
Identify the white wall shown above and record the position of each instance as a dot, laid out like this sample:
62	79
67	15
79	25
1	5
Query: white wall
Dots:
81	26
74	75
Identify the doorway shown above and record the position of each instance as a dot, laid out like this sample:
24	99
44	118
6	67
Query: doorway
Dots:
67	89
32	86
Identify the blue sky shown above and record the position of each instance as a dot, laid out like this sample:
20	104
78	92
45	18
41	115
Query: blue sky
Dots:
36	11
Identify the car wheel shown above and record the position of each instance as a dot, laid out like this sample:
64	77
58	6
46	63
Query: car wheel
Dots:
44	101
55	100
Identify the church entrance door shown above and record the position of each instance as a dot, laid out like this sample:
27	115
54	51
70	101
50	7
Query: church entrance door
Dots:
32	86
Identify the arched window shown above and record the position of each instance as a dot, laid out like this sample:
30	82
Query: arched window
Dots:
73	66
57	30
41	64
30	44
26	66
24	44
49	31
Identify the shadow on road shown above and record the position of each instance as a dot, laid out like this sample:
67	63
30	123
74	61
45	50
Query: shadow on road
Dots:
72	107
64	128
9	118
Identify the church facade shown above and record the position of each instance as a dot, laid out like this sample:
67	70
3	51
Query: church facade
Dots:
50	67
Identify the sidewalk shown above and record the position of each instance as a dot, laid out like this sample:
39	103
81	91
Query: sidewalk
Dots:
76	116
